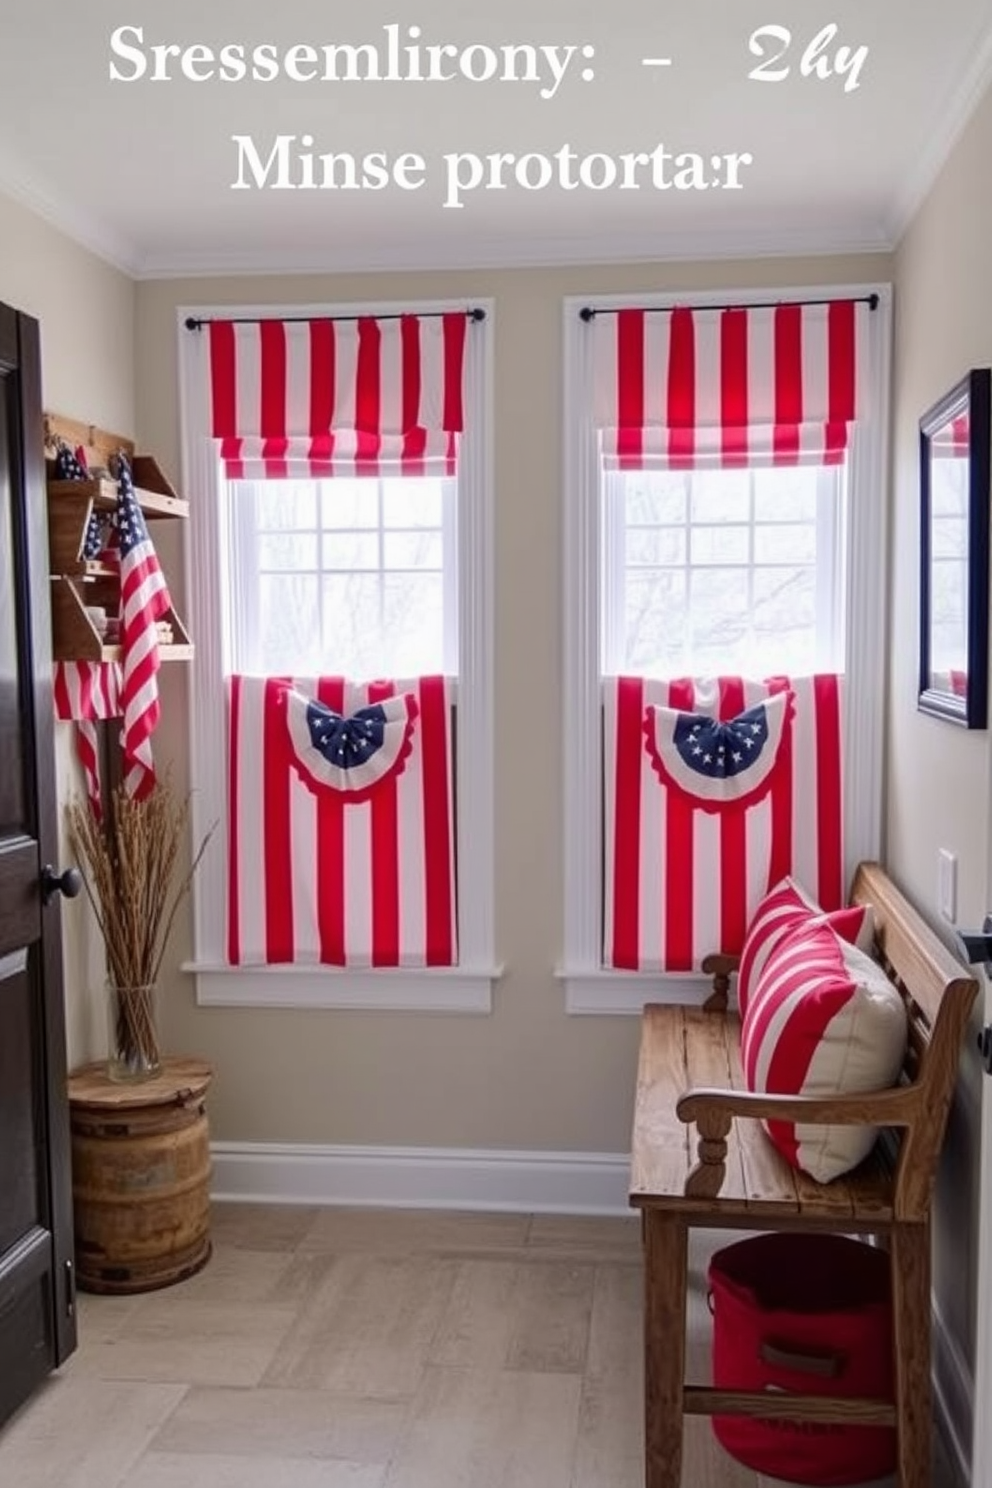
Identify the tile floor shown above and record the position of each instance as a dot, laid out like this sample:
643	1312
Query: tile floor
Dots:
332	1348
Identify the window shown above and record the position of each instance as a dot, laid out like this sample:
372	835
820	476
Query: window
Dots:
723	570
359	575
331	539
723	518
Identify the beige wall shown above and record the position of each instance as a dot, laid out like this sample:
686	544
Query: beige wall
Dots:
528	1076
938	775
86	311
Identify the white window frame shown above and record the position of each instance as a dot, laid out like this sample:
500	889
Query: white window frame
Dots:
467	987
591	988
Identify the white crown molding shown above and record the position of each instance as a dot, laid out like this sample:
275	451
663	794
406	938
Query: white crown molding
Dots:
422	1177
910	196
74	221
445	252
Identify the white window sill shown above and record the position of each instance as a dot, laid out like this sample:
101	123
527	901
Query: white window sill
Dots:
603	992
401	989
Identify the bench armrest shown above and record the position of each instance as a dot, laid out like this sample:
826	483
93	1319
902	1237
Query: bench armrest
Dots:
891	1107
721	968
713	1111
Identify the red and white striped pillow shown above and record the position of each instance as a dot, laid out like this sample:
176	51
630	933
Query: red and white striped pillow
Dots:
823	1019
785	909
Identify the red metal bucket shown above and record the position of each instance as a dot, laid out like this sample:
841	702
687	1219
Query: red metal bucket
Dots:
810	1315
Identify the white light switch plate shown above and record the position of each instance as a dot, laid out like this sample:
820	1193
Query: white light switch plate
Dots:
947	884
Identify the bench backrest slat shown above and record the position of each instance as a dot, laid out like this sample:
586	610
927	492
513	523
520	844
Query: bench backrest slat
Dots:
939	998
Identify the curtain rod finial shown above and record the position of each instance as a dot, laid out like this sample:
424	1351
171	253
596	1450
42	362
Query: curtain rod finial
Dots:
192	324
587	313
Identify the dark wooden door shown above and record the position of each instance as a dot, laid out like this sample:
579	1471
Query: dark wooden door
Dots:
37	1313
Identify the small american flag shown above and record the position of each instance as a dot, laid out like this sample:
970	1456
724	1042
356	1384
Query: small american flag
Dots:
144	601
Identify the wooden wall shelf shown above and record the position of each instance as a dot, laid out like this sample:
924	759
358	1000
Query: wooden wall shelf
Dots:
80	584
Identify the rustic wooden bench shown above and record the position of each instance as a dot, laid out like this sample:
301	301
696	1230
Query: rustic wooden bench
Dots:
690	1076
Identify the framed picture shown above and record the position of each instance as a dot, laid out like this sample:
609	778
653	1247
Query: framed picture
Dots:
954	552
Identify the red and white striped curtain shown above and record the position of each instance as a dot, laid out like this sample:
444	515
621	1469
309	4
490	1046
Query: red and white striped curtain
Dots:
320	876
688	388
682	878
319	398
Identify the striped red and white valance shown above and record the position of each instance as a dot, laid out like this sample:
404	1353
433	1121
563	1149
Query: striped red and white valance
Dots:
687	388
326	397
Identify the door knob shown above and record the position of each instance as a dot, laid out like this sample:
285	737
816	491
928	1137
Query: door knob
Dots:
68	883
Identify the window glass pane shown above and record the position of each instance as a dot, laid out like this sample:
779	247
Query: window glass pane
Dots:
413	623
653	496
786	542
654	622
655	545
412	502
413	550
786	493
349	503
721	496
288	624
280	504
784	613
351	550
720	545
718	616
950	537
352	625
948	615
288	551
949	488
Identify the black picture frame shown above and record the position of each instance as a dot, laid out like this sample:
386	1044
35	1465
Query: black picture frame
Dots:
955	495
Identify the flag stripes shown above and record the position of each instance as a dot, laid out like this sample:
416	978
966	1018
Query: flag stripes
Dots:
337	397
317	879
681	882
144	600
86	692
686	388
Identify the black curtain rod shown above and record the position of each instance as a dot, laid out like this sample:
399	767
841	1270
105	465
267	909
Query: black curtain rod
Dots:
193	324
589	312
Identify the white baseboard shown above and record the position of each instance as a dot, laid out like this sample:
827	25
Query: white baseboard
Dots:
954	1389
422	1177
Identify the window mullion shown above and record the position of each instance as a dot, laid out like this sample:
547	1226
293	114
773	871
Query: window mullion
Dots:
829	569
613	638
752	545
381	517
687	648
320	492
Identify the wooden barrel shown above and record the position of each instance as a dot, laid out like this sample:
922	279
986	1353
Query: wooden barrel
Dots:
140	1177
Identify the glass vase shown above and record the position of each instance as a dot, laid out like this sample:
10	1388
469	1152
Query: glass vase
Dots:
132	1033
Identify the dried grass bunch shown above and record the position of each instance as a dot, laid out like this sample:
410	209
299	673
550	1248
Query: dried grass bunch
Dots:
129	865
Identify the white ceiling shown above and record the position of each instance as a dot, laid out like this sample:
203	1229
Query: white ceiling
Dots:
142	170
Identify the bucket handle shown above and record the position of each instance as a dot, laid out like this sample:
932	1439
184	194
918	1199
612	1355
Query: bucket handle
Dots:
828	1364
